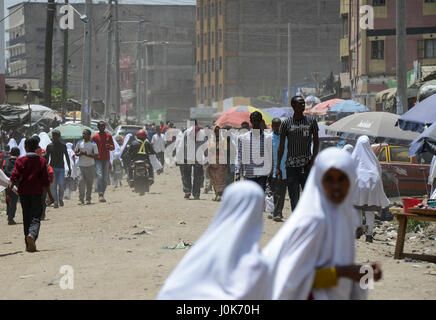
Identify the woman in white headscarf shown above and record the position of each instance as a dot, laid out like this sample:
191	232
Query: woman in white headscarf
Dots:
369	195
349	148
319	235
225	263
70	181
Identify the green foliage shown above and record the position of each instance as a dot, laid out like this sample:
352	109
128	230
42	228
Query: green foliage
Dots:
266	98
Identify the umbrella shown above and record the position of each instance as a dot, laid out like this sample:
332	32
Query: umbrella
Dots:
72	131
236	115
321	109
379	126
425	142
312	100
421	115
281	112
350	106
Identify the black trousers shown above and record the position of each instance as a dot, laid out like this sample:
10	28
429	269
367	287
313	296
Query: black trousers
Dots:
161	157
296	178
279	191
192	184
11	209
261	181
32	211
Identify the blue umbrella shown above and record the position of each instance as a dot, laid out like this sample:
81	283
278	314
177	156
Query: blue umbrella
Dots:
425	142
281	112
421	115
350	106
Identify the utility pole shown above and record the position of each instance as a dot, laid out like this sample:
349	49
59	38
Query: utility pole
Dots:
401	58
289	64
117	62
2	54
65	74
139	64
107	101
86	109
146	79
51	8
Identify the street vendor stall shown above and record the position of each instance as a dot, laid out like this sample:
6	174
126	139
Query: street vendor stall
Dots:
420	214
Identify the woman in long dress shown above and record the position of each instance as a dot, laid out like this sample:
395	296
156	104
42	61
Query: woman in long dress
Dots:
369	195
319	235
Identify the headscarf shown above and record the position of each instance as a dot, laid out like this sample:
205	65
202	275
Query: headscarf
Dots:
72	156
225	263
432	173
22	148
369	189
319	234
12	143
349	148
44	140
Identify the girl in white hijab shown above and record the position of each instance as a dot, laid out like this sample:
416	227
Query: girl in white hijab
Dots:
319	234
225	263
349	148
369	195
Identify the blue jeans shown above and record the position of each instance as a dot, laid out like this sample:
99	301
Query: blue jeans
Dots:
57	187
102	169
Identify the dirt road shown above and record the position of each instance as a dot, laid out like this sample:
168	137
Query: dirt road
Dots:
116	248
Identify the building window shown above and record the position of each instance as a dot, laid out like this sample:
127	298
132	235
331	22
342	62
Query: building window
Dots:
205	38
208	38
204	66
205	93
198	13
430	48
221	91
345	27
220	35
378	50
198	41
220	6
213	37
213	65
198	67
220	64
198	94
212	9
205	13
379	3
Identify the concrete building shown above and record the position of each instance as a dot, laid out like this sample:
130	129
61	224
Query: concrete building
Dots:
370	55
170	68
242	46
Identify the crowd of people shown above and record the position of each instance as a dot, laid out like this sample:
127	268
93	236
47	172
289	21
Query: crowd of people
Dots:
333	196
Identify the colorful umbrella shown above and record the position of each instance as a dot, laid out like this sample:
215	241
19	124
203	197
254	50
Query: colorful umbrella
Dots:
349	106
72	131
236	115
281	112
321	109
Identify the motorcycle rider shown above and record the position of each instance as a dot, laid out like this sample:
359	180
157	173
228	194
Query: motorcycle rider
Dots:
140	149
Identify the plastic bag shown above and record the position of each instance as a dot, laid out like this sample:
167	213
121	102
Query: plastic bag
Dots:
269	203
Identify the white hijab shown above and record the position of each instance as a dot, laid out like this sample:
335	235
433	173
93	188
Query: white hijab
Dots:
225	263
44	140
12	143
432	173
369	189
22	148
319	234
349	148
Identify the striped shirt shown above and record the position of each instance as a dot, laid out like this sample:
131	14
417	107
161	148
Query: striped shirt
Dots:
254	155
299	134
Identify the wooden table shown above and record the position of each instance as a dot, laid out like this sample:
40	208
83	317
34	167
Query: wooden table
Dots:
402	220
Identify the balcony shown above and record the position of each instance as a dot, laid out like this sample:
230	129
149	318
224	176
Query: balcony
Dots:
344	47
18	57
15	41
345	7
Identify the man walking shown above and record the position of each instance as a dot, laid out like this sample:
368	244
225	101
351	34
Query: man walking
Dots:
279	184
254	153
8	169
301	132
191	168
105	144
158	142
31	177
55	153
87	151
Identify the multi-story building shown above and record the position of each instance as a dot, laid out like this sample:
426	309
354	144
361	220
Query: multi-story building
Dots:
170	68
242	46
370	54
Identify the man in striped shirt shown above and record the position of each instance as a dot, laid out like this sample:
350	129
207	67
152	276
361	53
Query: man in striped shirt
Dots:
254	153
302	133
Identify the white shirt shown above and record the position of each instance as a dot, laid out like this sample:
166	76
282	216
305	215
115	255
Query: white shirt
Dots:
158	142
91	149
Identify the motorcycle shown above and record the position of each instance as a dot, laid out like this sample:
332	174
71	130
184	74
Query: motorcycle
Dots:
140	177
